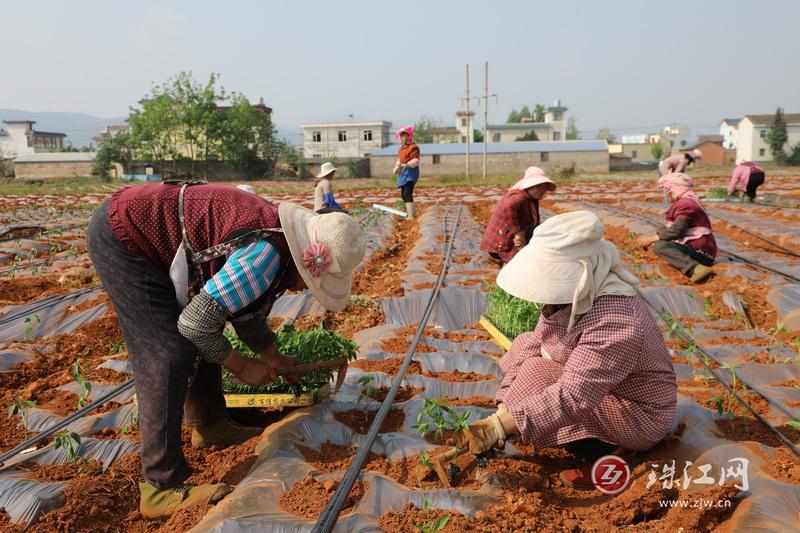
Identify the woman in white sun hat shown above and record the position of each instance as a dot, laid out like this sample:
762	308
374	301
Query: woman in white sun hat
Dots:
180	261
324	202
516	215
595	375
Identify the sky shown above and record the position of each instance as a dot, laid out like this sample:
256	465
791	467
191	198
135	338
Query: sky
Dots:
633	66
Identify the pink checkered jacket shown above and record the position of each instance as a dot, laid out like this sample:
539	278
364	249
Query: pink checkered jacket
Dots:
610	378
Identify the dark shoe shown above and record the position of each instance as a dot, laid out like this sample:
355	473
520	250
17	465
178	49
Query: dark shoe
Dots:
161	503
223	432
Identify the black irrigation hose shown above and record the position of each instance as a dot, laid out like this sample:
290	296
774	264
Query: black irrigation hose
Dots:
330	515
786	250
652	220
67	421
789	444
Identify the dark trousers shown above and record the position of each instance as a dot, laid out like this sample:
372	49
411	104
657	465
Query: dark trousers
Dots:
589	450
407	192
163	360
681	256
756	179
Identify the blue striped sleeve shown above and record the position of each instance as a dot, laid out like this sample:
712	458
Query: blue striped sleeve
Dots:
246	275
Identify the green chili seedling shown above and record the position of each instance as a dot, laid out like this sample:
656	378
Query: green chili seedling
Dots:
70	441
85	386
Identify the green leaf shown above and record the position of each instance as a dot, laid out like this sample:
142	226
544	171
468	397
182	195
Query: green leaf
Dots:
794	424
441	523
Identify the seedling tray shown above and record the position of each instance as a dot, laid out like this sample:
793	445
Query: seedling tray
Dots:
277	401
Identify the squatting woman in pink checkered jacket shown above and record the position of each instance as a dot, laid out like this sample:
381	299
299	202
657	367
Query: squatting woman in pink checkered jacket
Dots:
595	375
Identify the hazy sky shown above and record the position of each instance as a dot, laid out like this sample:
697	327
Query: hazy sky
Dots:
631	65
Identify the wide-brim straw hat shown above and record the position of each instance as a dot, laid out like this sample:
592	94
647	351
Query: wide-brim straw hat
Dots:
326	249
326	169
548	269
534	176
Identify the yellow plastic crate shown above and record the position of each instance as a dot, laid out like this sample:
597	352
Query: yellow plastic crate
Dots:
279	401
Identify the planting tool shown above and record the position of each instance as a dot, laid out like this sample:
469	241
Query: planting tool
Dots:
440	463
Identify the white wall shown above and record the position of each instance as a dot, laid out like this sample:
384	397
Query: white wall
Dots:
354	147
751	146
729	135
16	142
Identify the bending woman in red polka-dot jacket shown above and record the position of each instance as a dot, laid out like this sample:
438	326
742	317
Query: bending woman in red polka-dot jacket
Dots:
595	375
179	261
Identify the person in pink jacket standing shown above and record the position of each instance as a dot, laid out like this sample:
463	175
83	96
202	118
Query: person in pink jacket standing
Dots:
746	177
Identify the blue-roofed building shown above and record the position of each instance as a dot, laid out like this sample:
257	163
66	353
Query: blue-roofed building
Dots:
502	159
552	129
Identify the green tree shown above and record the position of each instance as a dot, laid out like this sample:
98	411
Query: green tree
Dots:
605	134
777	136
423	129
658	151
525	113
794	155
477	136
117	149
513	117
530	136
538	113
245	136
572	133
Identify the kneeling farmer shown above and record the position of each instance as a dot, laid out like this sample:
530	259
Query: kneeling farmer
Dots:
179	262
595	375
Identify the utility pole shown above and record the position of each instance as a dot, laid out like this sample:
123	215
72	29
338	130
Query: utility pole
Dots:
466	99
485	99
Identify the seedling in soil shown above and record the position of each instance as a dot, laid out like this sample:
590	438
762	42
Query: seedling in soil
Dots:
774	332
85	386
70	441
793	424
707	305
442	416
721	404
366	393
434	525
116	347
20	407
131	426
32	318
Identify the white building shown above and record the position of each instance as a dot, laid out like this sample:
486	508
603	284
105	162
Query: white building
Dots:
552	129
678	137
751	143
345	139
461	133
729	129
19	137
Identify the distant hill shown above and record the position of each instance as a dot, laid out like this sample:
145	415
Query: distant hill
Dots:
79	127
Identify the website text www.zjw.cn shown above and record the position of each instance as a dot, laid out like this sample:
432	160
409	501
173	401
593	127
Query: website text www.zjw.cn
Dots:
697	504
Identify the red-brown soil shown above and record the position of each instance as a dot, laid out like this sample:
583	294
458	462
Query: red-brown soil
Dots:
403	393
389	366
355	317
457	376
477	401
402	344
359	421
745	428
308	498
380	276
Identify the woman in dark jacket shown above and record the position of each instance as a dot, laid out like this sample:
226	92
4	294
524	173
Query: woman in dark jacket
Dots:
686	241
516	215
179	261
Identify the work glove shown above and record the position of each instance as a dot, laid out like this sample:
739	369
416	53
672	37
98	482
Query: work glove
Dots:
484	434
647	242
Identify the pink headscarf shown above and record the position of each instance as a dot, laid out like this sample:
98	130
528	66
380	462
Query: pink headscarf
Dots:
679	184
533	177
406	129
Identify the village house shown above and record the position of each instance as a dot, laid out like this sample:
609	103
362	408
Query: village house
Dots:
53	165
109	132
345	140
751	142
503	159
552	129
714	153
19	137
729	129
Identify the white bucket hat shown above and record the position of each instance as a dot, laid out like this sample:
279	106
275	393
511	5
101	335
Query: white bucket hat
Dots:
248	188
326	169
697	154
325	248
567	262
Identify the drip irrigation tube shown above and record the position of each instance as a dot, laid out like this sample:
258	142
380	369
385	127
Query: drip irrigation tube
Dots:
67	421
716	376
652	220
784	249
330	515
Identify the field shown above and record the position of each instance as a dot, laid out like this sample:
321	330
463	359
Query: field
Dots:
734	337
